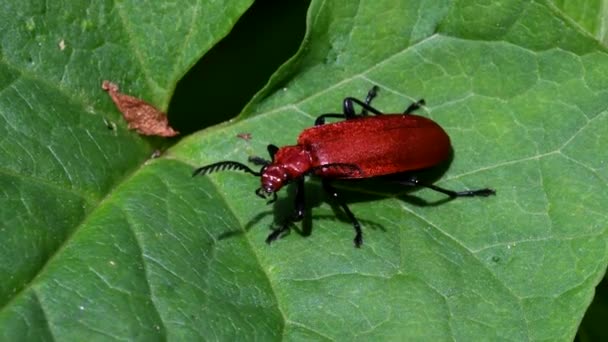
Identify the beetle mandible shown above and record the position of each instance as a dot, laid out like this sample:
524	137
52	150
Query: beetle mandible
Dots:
361	146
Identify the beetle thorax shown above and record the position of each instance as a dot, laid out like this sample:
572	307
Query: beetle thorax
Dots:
290	162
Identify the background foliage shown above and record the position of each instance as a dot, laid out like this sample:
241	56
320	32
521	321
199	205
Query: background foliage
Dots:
99	241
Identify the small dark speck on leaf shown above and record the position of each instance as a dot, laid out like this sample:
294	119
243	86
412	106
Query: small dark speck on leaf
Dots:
140	115
496	258
244	136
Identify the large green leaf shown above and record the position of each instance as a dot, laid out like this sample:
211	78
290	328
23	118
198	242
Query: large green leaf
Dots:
64	147
99	244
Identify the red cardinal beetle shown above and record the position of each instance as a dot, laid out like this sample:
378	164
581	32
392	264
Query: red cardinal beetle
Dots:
361	146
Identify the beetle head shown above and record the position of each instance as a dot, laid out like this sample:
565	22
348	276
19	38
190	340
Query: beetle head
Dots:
273	178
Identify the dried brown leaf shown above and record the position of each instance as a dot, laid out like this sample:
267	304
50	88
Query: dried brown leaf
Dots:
244	136
140	115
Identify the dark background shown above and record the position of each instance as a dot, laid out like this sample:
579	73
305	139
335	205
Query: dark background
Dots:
226	78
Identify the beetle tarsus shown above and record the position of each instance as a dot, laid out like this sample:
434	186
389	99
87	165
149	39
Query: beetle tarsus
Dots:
485	192
278	233
414	106
358	240
371	94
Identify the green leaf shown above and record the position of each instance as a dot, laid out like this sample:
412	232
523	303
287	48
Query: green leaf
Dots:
65	148
589	14
100	244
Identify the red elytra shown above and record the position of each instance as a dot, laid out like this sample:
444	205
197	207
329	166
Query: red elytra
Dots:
359	147
382	145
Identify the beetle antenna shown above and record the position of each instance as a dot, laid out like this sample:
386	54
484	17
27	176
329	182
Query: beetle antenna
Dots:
338	166
223	166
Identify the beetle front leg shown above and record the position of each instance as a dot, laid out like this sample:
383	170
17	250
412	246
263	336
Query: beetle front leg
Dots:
332	192
485	192
298	214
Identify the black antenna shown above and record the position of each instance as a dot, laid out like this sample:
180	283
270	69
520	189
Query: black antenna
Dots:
223	166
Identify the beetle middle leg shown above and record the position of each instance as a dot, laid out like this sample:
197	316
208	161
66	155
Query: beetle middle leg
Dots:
298	213
356	225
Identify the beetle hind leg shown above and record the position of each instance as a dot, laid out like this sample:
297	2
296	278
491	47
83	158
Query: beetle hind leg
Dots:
485	192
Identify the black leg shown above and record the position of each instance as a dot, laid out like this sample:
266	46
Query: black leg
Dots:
348	108
298	213
349	111
332	192
485	192
414	106
321	119
371	94
272	150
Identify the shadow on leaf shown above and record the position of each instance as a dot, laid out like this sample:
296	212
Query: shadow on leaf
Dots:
351	191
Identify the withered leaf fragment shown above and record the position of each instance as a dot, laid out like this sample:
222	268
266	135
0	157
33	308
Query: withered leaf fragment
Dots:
244	136
140	115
